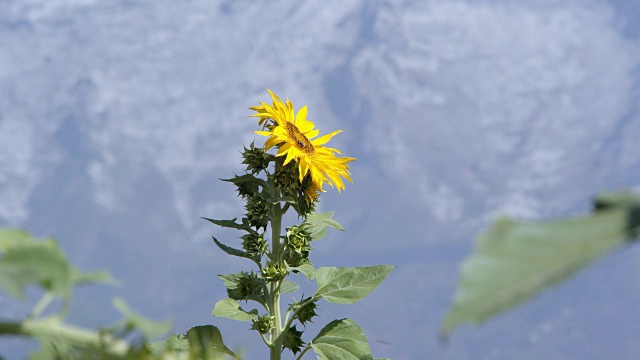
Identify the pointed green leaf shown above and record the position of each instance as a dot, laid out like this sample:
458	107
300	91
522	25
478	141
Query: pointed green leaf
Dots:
325	218
514	261
232	224
148	328
288	287
316	224
306	269
230	309
348	285
235	252
317	233
247	178
341	339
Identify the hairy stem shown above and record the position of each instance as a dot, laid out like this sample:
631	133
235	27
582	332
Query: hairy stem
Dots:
274	294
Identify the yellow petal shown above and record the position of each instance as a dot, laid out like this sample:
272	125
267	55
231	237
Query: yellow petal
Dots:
325	138
304	167
301	116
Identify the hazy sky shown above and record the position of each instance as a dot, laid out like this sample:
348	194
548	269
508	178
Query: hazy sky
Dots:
117	119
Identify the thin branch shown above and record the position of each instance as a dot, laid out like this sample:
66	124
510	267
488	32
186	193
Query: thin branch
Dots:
52	327
306	348
42	304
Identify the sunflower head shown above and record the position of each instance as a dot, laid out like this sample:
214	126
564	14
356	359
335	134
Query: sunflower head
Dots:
296	139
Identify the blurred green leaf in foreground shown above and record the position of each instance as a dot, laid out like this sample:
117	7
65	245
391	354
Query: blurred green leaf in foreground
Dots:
26	261
516	260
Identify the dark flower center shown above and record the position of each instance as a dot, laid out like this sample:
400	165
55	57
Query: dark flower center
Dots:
299	140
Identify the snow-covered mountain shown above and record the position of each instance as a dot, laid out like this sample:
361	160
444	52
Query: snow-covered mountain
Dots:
117	118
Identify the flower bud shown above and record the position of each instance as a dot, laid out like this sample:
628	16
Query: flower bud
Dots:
286	176
274	271
296	259
256	159
297	239
254	244
248	286
258	207
298	246
292	340
307	313
263	323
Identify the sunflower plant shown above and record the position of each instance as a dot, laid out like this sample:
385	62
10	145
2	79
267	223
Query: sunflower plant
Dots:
288	173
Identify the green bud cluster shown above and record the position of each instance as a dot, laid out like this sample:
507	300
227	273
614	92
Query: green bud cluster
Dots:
256	159
286	177
298	246
254	244
287	180
263	323
249	286
258	207
293	340
274	271
247	189
307	312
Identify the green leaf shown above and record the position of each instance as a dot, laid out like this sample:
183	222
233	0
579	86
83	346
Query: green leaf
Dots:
622	200
206	340
132	320
12	238
306	269
235	252
288	287
317	233
514	261
171	343
230	309
63	341
232	224
316	224
348	285
200	342
247	178
341	339
27	261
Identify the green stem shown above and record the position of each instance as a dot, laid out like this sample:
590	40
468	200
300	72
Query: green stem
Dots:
288	320
264	339
42	304
274	295
52	328
306	348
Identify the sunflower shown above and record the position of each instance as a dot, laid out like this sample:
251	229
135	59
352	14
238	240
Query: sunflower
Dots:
295	138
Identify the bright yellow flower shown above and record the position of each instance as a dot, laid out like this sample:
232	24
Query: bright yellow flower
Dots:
294	135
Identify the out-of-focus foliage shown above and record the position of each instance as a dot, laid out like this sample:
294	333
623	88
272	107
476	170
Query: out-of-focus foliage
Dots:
26	261
516	260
